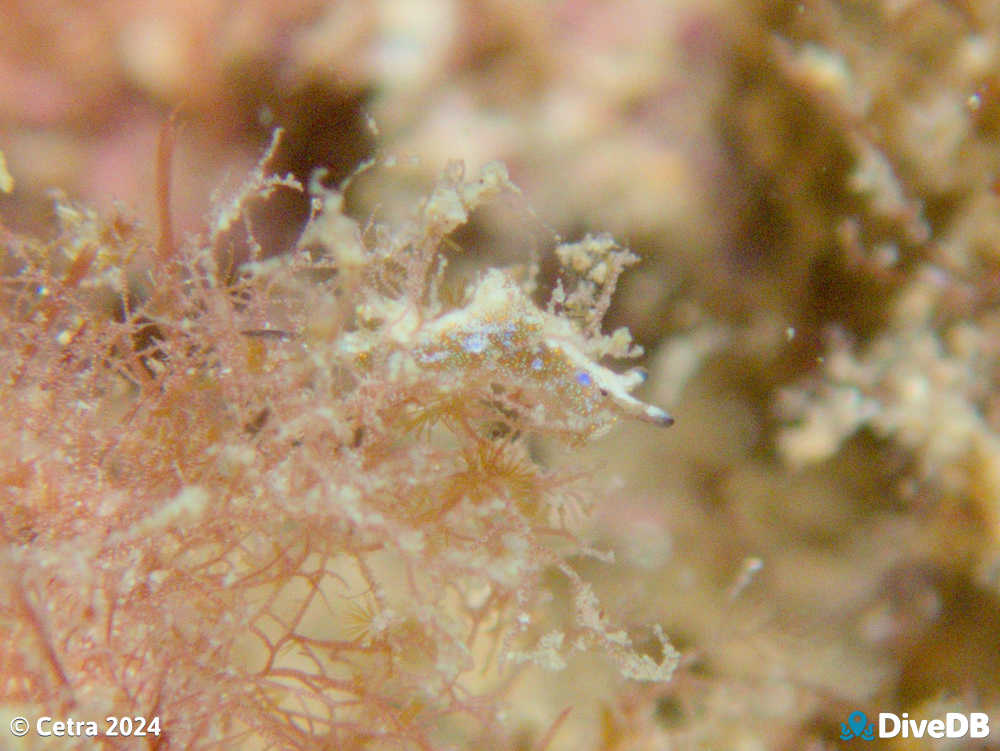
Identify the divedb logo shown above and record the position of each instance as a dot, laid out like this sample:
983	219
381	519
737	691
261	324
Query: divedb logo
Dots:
954	725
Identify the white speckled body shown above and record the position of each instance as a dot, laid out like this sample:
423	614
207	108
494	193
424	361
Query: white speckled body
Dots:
503	338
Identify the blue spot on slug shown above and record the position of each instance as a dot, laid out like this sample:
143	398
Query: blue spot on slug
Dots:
475	343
